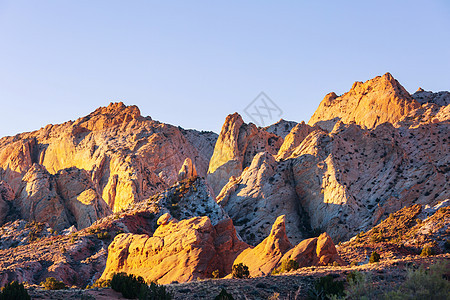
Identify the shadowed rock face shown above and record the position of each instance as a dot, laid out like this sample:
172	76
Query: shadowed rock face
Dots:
178	251
236	146
66	198
128	157
381	99
344	181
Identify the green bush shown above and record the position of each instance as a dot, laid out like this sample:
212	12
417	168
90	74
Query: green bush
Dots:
424	284
325	287
104	235
426	251
128	285
360	286
240	271
215	274
154	292
14	291
100	283
286	266
224	295
52	284
374	257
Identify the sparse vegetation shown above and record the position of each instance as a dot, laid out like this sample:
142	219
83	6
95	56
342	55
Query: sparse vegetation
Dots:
100	284
286	266
240	271
374	257
326	288
224	295
104	235
51	283
128	285
426	251
154	292
424	284
215	274
14	291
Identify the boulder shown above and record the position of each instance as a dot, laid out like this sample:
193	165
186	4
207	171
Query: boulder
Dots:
178	251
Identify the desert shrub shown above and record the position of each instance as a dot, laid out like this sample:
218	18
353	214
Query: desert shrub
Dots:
215	274
325	288
374	257
426	251
154	292
423	284
104	235
286	266
240	271
360	286
14	291
224	295
100	283
52	284
289	265
128	285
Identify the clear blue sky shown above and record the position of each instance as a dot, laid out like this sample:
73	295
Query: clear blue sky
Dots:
190	63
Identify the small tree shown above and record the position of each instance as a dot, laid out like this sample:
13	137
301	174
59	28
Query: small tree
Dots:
224	295
426	251
128	285
52	284
374	257
240	271
14	291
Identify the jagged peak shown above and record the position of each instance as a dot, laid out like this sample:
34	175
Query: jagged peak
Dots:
104	117
375	101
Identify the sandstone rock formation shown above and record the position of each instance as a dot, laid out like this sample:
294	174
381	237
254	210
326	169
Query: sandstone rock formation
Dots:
345	181
66	198
281	128
294	139
128	157
178	251
439	98
187	170
236	146
318	251
381	99
276	248
6	195
264	191
262	259
190	198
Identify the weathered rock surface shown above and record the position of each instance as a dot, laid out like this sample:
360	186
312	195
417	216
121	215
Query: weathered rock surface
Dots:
439	98
190	198
6	195
262	259
281	128
187	170
128	157
276	248
236	146
264	191
345	181
381	99
66	198
318	251
178	251
294	139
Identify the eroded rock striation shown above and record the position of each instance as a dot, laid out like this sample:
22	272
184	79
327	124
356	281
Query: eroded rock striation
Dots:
128	157
236	146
